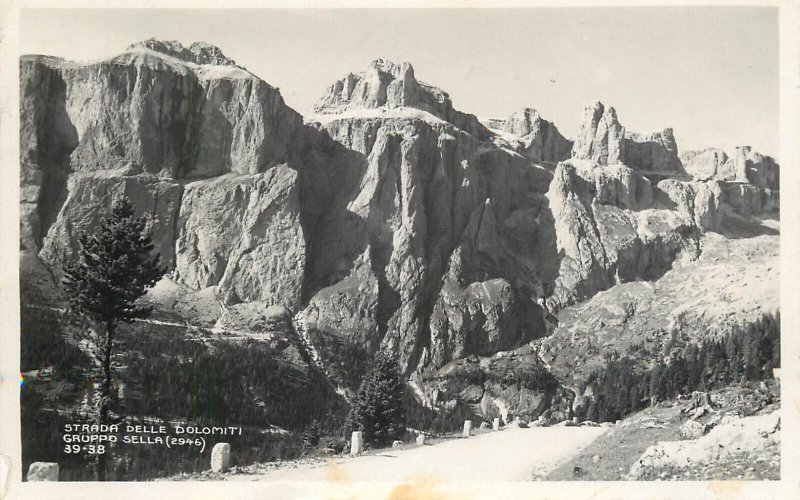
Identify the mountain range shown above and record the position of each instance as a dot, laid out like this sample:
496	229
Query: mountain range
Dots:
389	220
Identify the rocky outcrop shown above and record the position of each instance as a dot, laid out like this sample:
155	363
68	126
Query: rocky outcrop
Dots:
747	199
532	136
603	140
478	310
745	166
47	137
655	152
197	53
600	136
749	181
481	319
747	437
508	385
701	201
601	244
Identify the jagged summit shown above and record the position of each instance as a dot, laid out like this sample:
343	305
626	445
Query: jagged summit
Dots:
197	52
532	136
383	84
388	86
603	140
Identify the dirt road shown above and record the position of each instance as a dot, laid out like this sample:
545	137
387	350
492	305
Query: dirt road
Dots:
512	454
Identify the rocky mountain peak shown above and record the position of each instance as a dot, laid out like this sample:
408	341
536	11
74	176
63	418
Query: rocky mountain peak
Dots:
402	70
532	136
385	84
520	123
603	140
197	52
390	90
600	135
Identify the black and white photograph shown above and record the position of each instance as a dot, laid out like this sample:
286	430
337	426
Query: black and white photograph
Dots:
297	249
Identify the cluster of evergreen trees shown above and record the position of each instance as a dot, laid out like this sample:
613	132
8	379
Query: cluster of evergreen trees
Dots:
236	384
746	353
378	409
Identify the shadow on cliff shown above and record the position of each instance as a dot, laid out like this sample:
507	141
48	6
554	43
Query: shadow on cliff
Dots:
335	236
734	226
57	138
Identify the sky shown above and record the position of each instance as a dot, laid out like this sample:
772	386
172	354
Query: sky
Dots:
710	73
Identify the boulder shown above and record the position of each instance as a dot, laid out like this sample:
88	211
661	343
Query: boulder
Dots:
397	444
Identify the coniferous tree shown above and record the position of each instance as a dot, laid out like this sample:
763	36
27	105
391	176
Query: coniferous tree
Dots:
115	267
311	435
378	409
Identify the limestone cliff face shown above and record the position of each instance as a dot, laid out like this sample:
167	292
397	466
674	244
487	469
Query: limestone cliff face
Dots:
418	210
750	181
401	219
243	235
534	137
745	166
389	220
600	136
144	112
608	230
89	198
603	140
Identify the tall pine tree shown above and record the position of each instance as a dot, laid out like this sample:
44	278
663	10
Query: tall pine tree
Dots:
378	409
115	267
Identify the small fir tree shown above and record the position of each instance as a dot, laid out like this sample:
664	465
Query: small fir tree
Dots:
311	435
378	409
114	268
